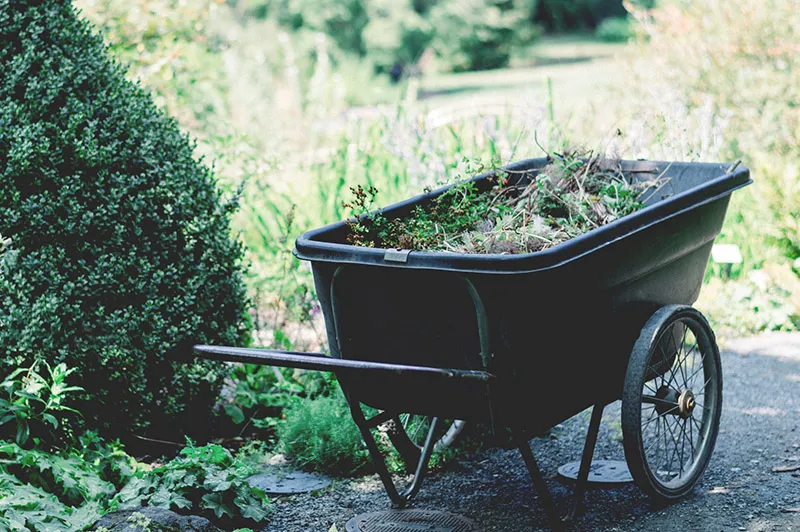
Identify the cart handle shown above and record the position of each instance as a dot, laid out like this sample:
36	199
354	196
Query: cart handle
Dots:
322	362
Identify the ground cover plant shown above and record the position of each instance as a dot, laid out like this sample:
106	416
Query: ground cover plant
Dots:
56	481
207	480
51	480
575	193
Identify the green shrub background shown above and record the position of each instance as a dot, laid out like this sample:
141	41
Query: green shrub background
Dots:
120	256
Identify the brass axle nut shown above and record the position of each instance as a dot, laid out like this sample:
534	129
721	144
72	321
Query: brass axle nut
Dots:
686	404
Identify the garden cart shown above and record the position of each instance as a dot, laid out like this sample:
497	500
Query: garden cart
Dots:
524	342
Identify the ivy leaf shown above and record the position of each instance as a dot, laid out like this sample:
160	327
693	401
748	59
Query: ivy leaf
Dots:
190	479
130	496
210	454
250	506
217	481
236	414
161	498
216	503
84	516
252	509
179	501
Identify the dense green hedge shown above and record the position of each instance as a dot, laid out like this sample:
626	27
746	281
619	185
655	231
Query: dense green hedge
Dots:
120	257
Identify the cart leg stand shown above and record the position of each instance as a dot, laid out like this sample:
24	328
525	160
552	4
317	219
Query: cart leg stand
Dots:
399	500
586	461
539	483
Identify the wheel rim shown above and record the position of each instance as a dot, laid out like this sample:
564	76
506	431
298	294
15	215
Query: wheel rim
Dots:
680	400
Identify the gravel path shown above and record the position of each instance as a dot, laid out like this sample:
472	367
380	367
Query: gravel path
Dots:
760	430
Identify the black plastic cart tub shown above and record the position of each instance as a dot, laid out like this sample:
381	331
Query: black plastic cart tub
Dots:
526	341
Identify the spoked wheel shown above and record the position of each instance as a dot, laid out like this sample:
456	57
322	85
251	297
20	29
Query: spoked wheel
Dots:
672	401
416	427
409	431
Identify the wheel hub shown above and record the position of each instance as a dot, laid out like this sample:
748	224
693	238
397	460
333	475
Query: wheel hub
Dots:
668	399
686	404
674	402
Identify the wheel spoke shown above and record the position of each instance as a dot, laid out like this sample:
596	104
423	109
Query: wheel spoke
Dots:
684	366
664	360
649	424
655	440
654	444
680	361
693	353
684	363
650	417
650	399
702	392
664	432
674	450
660	416
671	455
679	352
698	370
417	430
699	427
650	421
683	445
674	408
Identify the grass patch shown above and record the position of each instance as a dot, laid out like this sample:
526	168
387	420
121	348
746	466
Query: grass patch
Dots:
577	65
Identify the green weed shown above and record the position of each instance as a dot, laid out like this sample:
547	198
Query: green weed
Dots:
320	434
35	404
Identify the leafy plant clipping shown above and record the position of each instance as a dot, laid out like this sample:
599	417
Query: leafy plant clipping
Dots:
519	213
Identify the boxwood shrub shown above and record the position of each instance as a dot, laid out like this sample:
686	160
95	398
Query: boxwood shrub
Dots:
121	256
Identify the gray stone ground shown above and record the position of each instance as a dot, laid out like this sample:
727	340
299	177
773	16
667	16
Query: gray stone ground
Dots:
760	430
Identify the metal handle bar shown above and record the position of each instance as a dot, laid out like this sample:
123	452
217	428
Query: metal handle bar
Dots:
322	362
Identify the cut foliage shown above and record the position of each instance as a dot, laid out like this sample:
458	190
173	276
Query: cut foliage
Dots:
575	193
